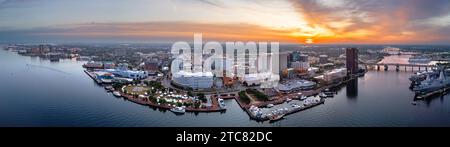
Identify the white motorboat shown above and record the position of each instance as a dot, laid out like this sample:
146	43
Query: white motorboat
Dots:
303	97
221	103
117	94
288	99
109	88
178	110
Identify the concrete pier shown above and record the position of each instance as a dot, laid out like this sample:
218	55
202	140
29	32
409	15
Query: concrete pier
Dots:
442	91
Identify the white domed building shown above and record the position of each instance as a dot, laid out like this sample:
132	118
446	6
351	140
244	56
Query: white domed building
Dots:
194	80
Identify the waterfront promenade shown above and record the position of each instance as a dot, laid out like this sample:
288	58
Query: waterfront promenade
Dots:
214	105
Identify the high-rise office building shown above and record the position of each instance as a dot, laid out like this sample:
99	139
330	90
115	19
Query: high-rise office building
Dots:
284	60
352	60
295	56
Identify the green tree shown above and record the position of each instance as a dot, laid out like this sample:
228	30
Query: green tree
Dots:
259	95
189	93
162	101
152	99
117	86
197	104
202	97
188	104
243	97
179	104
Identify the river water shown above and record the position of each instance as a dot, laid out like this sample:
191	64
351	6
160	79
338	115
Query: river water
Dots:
37	92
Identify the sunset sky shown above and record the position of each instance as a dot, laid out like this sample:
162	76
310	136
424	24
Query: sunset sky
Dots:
288	21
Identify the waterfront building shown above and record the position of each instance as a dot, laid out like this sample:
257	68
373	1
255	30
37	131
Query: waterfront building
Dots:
323	59
335	75
259	78
123	71
104	77
295	85
194	80
151	66
352	60
94	65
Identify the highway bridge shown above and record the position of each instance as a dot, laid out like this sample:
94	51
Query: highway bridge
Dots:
398	66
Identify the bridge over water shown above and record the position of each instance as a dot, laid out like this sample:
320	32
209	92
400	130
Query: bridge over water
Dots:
399	66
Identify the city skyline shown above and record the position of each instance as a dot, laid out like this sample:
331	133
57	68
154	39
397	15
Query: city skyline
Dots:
286	21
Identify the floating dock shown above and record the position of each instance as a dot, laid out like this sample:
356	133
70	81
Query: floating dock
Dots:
92	75
252	116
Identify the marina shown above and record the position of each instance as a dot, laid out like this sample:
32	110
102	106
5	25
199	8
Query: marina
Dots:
296	104
276	112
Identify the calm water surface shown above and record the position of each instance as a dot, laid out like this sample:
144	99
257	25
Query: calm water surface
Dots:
37	92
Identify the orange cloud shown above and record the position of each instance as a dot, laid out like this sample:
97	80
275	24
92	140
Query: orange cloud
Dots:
381	21
177	31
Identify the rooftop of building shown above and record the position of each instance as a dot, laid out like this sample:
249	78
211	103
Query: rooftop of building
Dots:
294	84
193	74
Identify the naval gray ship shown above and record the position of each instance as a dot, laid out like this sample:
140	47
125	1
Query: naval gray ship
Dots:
431	84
